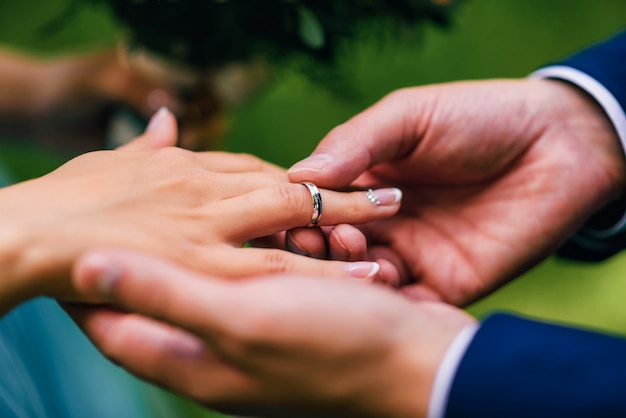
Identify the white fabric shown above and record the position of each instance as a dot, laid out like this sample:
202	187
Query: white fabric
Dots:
611	107
447	370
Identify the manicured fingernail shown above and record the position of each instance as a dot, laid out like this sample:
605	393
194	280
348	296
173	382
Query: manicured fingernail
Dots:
384	197
362	269
315	163
157	119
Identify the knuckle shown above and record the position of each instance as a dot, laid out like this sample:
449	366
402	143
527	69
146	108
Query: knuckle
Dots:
172	153
294	197
253	162
196	176
276	262
193	179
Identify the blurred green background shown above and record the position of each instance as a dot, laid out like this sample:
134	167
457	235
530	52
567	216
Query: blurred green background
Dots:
488	38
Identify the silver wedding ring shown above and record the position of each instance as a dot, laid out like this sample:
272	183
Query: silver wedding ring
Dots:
317	202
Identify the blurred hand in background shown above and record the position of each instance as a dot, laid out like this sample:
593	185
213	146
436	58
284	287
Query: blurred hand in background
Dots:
91	101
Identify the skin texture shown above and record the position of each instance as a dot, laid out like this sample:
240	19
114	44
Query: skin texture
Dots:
243	347
495	174
197	209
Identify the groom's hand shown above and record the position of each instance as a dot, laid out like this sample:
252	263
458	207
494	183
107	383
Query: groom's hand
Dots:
495	175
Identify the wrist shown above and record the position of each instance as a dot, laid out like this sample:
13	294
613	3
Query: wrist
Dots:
33	255
581	116
16	285
419	355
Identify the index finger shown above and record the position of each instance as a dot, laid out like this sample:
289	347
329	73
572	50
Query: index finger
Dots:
386	131
175	295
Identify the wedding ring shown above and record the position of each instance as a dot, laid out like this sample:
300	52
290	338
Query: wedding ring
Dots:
317	202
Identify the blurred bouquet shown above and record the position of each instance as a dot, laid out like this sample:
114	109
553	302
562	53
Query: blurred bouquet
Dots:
210	33
218	52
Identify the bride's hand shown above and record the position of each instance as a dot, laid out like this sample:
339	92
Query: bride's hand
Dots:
196	209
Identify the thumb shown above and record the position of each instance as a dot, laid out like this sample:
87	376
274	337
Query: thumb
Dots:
381	133
162	131
176	295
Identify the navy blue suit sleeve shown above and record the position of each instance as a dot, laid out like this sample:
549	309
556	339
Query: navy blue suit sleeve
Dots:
606	63
516	367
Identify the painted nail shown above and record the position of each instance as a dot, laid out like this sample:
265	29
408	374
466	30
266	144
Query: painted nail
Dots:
362	269
315	163
384	197
157	119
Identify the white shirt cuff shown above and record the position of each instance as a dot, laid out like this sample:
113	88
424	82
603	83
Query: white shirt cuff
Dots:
611	107
447	369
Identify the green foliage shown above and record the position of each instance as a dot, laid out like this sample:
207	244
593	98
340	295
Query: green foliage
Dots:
209	33
310	30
